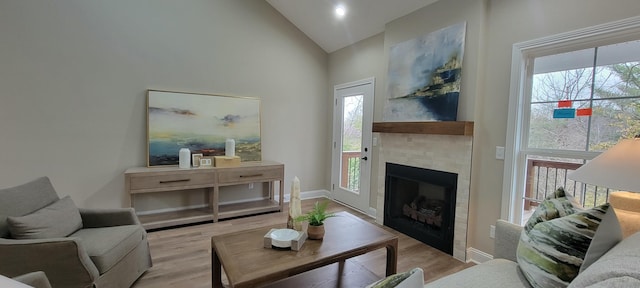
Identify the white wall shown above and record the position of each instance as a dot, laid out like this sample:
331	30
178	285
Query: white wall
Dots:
74	75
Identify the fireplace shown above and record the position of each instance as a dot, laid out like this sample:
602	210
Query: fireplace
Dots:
421	203
450	153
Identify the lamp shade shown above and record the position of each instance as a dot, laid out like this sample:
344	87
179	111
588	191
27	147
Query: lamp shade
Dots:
617	168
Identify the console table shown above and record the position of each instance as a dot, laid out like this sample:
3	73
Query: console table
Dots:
140	180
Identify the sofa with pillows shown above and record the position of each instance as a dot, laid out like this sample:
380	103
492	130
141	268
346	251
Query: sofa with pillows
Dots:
74	247
561	245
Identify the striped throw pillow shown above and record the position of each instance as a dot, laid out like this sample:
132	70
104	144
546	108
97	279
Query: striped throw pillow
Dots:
551	252
556	204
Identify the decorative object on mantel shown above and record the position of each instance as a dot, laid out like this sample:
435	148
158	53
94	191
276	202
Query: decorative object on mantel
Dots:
202	123
184	156
316	217
284	238
295	209
424	76
462	128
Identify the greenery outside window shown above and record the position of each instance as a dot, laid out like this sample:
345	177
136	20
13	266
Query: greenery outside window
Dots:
595	71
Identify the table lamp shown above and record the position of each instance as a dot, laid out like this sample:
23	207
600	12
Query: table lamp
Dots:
617	168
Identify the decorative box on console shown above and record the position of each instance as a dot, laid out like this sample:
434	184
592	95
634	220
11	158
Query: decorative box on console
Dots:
227	161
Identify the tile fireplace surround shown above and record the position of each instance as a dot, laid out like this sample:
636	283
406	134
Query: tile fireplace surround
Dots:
449	153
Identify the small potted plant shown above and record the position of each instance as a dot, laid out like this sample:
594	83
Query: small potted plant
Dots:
316	217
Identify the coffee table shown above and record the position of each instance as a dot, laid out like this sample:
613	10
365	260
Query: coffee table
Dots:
248	264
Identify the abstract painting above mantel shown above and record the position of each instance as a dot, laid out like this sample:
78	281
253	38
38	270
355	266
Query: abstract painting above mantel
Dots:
424	77
202	123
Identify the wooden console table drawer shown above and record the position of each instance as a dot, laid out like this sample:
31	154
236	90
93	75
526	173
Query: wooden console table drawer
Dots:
241	175
172	179
159	182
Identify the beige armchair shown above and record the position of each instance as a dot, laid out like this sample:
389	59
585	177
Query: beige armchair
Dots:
74	247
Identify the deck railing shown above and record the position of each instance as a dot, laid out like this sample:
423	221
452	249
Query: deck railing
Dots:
350	173
544	177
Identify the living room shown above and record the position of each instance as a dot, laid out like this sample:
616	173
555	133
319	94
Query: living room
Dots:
75	74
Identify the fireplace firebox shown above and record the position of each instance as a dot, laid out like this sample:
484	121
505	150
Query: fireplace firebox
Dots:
421	203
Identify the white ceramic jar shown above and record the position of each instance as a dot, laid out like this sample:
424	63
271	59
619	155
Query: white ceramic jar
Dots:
230	148
184	158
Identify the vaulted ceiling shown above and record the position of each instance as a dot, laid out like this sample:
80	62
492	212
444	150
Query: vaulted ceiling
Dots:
363	19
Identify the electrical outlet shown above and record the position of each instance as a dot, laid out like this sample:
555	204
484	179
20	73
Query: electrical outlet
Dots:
492	231
250	185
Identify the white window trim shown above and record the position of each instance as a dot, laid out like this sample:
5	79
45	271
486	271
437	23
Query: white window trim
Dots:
514	162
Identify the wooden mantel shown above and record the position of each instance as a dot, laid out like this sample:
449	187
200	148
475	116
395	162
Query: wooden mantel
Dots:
463	128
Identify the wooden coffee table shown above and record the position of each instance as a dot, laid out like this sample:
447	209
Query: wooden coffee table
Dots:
248	264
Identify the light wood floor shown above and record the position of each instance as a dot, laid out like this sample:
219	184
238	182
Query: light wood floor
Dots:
182	256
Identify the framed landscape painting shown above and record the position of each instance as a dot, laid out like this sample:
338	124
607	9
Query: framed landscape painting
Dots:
202	123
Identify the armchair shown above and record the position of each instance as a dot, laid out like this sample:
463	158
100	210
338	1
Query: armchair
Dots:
38	233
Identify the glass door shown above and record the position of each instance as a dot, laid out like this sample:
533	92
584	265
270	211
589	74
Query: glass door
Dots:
353	118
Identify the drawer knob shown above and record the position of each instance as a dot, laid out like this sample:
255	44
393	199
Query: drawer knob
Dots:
174	181
252	175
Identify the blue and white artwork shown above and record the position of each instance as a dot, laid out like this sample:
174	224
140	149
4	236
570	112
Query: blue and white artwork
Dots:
424	77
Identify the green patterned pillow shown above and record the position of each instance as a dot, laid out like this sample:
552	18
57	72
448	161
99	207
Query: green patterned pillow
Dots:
413	278
556	204
551	252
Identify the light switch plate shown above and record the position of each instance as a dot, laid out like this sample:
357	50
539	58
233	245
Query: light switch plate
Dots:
500	152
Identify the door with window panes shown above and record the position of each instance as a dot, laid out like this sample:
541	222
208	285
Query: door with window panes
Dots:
352	132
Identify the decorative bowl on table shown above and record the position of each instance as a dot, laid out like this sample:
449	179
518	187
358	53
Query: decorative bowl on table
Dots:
281	238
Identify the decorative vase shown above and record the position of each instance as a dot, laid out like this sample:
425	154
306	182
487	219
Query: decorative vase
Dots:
230	148
315	232
184	158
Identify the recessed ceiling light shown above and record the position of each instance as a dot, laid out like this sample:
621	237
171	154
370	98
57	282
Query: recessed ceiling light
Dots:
340	11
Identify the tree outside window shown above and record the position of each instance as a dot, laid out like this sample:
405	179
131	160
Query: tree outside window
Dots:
605	79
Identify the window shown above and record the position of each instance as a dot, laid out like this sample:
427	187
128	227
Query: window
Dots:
601	85
572	97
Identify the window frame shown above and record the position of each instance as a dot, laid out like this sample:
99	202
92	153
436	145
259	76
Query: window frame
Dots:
522	55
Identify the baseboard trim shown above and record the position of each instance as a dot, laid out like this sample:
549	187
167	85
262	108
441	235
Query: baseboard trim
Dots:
315	194
373	212
476	256
306	195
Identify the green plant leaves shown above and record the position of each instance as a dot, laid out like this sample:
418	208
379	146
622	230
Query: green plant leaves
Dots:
317	215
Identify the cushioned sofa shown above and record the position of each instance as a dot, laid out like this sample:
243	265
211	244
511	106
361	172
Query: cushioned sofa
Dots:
616	268
74	247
